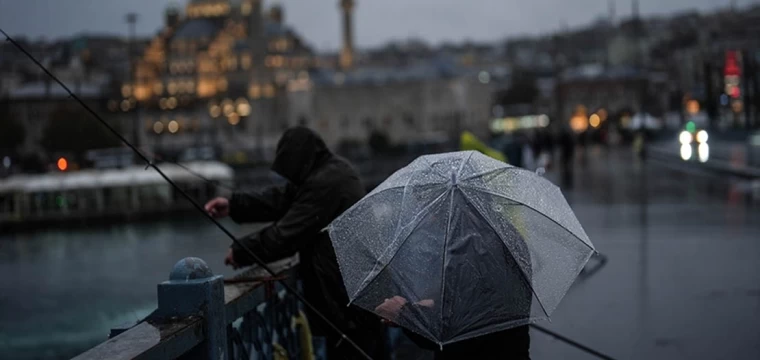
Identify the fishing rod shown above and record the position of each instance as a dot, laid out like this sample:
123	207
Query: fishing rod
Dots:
151	164
216	183
572	342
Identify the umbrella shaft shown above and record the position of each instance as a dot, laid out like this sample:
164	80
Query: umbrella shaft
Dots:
572	342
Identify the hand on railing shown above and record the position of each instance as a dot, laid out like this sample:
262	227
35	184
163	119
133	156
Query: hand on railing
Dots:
218	207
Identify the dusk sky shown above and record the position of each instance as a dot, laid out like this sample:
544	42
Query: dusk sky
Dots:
376	21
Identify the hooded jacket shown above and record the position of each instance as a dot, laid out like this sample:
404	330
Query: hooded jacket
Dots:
321	186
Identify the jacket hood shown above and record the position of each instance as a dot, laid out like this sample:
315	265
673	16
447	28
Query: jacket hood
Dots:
300	151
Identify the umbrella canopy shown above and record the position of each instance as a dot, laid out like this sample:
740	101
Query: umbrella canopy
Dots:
470	244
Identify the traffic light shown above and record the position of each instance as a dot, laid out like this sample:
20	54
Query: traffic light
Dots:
691	127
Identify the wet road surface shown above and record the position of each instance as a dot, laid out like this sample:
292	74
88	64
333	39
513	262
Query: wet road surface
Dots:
683	277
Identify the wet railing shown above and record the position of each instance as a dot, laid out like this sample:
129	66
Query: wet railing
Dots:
202	316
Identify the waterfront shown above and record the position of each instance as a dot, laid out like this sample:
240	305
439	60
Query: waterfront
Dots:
65	289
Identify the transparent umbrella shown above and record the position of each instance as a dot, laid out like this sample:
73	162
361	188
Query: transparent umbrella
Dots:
468	244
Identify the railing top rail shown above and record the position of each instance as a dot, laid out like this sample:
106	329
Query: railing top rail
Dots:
162	338
170	338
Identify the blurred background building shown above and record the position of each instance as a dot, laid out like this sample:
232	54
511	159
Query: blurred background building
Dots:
224	78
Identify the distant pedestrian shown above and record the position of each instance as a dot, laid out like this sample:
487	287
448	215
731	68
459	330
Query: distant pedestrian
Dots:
567	143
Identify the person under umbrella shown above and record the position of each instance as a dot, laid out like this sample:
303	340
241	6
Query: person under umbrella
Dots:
462	250
512	343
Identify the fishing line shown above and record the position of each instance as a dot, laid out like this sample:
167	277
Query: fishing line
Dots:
216	183
151	164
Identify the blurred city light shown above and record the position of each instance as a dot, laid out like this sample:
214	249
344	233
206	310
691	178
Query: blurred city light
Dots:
703	151
173	126
215	111
702	136
63	164
6	162
233	119
543	120
594	120
228	107
484	77
602	114
243	107
579	123
692	107
511	124
158	127
684	138
686	151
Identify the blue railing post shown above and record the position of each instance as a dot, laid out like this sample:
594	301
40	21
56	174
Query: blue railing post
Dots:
193	289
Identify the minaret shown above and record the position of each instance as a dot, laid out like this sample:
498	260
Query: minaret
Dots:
636	32
347	52
611	9
635	9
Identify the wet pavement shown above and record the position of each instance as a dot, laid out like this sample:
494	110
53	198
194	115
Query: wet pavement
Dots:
683	277
682	280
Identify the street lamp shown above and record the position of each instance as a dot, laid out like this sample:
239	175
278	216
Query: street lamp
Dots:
131	19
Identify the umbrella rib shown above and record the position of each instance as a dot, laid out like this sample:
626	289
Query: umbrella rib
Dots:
522	272
417	220
461	166
445	250
430	166
403	200
484	173
371	195
534	209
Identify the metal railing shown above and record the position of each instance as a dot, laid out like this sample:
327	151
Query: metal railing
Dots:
203	316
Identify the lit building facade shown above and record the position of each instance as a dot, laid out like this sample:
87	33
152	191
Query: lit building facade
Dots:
215	75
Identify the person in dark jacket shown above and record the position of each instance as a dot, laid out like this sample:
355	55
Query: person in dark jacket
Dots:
320	187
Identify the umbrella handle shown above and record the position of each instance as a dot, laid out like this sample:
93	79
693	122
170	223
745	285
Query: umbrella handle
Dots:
572	342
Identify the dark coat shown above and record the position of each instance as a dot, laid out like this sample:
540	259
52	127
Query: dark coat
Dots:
511	344
321	186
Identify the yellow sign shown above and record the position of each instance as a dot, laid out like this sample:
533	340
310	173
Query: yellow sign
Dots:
468	141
